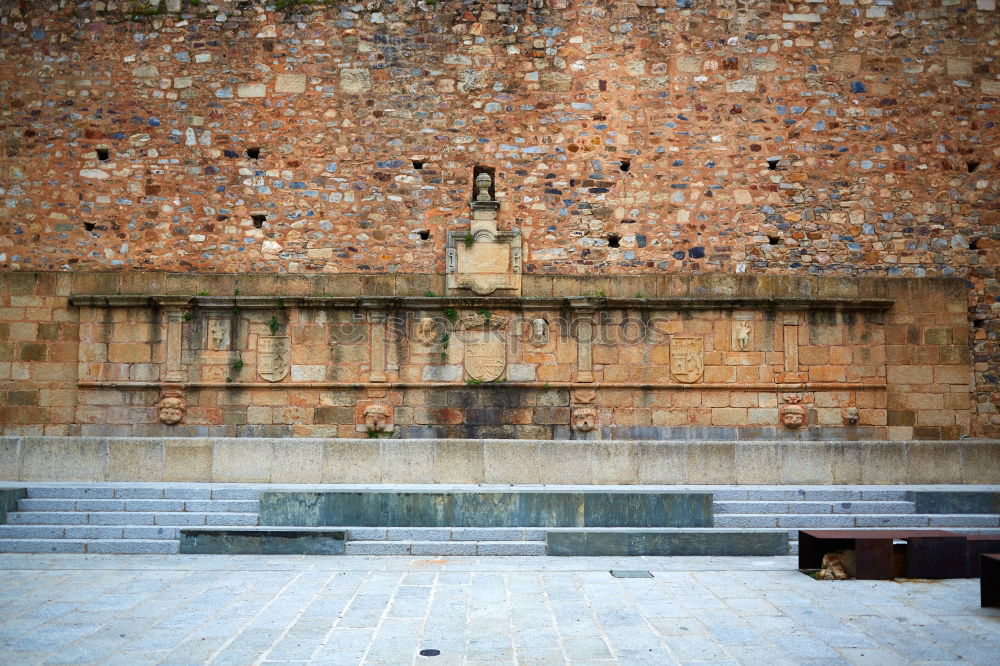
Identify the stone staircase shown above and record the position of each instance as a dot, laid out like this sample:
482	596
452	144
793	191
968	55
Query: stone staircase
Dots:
120	519
148	518
871	507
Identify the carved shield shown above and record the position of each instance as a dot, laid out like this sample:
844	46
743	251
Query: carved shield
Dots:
485	355
687	359
273	357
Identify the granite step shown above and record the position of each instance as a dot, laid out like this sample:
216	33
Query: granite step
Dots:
131	546
147	491
88	532
813	507
445	548
130	518
439	534
155	505
847	520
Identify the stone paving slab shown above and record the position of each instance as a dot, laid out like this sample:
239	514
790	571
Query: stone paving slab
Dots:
190	609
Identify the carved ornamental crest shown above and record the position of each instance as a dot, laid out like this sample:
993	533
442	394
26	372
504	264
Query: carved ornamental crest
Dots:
485	346
273	356
687	358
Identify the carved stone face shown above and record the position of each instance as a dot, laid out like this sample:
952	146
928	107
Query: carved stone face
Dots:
851	416
377	418
539	332
793	416
584	419
425	332
171	409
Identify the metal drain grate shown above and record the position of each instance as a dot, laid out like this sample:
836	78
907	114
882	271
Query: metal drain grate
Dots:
630	573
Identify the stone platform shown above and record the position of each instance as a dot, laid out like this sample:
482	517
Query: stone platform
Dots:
617	462
407	520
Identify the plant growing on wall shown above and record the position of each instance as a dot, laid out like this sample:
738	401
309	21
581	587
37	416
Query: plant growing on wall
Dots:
273	324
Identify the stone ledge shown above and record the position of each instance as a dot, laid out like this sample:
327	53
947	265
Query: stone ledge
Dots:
285	285
261	541
707	302
458	461
683	541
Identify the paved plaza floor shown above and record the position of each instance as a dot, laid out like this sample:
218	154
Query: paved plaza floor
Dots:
191	609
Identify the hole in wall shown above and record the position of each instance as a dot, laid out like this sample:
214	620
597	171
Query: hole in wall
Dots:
772	163
972	165
625	165
253	152
614	240
418	164
103	154
258	220
773	240
424	234
974	244
978	323
89	226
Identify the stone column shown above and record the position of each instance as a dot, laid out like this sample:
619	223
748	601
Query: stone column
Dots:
173	321
584	340
376	326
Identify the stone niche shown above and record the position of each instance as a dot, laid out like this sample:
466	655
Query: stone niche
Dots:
697	359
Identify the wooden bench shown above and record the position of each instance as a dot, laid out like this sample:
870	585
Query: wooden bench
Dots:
926	553
979	544
989	581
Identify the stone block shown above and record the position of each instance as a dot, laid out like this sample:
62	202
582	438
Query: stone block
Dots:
406	461
806	463
710	462
296	461
515	461
290	83
355	80
261	541
460	461
758	463
242	460
662	462
556	82
187	460
251	90
613	463
883	463
10	458
351	461
135	460
63	459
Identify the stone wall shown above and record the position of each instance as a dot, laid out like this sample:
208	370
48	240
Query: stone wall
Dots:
365	461
628	137
95	354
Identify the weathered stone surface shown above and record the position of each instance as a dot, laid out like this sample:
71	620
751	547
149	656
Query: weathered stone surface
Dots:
763	176
290	83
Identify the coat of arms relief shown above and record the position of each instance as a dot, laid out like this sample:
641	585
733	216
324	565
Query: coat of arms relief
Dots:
485	340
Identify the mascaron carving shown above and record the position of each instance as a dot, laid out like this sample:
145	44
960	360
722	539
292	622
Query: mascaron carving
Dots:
378	418
171	408
793	414
425	331
585	419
